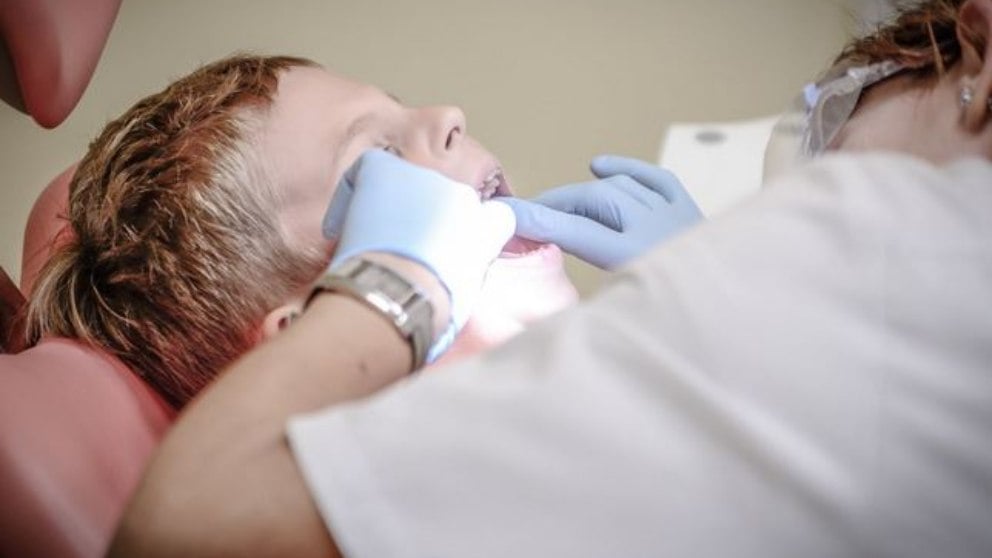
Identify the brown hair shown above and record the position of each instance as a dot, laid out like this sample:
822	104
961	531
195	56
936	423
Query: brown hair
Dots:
177	251
922	37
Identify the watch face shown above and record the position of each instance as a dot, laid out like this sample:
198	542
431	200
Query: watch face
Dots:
387	292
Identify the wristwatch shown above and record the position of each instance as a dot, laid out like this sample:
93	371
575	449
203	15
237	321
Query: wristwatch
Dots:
386	291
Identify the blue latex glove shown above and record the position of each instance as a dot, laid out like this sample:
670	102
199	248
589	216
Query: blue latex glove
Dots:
385	204
606	222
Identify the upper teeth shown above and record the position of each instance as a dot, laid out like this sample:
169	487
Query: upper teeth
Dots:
490	185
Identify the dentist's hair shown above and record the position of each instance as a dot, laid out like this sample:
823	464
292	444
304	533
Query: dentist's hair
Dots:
175	250
922	36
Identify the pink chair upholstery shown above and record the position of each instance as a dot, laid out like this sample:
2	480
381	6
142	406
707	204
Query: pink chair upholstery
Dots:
46	227
76	430
54	46
76	427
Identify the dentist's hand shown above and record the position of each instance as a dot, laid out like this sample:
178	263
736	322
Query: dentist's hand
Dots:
387	205
633	206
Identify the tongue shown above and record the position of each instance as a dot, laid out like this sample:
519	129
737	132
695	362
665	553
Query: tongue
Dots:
518	246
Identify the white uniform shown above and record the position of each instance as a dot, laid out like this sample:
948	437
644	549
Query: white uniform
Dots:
810	375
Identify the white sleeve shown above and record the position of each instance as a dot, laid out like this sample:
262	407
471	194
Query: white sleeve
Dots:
729	394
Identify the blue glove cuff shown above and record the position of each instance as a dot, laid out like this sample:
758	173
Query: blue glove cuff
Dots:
443	343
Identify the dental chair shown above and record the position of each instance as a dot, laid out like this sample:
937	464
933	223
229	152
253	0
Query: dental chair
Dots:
11	304
76	426
721	164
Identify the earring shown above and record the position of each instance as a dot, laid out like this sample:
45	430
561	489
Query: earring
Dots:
967	95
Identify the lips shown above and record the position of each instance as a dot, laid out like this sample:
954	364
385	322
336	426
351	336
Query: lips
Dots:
519	246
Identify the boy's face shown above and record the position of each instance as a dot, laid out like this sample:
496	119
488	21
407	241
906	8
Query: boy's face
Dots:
320	123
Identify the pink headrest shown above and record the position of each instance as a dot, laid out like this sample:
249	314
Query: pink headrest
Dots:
11	307
46	227
76	425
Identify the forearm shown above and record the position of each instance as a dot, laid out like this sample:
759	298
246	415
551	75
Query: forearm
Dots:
225	475
224	482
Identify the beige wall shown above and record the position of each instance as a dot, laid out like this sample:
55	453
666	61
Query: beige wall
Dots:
546	84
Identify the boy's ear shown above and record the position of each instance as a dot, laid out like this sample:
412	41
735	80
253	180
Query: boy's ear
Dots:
280	318
973	30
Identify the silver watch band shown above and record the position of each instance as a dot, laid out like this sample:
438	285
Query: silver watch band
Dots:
382	289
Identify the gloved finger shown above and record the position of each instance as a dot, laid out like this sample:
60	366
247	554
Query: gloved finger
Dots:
478	241
442	343
575	234
604	203
647	197
490	229
498	225
648	174
337	210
